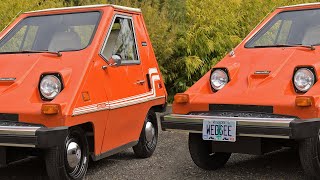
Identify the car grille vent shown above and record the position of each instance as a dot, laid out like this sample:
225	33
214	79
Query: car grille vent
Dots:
241	108
240	114
9	117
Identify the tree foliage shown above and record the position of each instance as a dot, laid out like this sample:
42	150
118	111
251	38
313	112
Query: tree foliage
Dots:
188	36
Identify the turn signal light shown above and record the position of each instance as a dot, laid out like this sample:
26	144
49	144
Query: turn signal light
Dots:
303	101
181	98
50	109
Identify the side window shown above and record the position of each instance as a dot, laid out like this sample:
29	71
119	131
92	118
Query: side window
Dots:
121	41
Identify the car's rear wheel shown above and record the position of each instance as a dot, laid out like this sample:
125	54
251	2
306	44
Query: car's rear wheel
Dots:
69	161
202	155
309	151
148	137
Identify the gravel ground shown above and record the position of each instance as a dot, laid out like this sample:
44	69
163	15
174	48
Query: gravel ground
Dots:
171	160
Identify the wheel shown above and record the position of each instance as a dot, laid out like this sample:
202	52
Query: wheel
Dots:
309	151
69	161
148	137
202	156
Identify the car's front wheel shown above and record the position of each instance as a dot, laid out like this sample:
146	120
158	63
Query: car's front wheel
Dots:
148	137
309	151
69	161
202	155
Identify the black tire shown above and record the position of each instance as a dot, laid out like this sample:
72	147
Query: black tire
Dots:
145	148
309	150
202	155
56	158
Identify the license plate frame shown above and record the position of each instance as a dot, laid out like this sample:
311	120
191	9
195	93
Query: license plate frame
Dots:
219	130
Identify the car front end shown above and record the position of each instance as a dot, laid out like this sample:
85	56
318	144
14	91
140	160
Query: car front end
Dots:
261	97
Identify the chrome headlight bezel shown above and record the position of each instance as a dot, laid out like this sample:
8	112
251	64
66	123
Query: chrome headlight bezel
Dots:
50	86
223	80
303	79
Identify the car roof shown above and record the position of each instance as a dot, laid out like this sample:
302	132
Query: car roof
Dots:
300	5
89	6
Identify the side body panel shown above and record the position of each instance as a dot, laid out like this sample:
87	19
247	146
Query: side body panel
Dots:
119	104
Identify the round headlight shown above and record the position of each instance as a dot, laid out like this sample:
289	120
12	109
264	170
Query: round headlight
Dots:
218	79
50	86
303	79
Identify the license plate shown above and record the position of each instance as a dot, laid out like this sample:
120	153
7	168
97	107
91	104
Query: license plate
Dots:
219	130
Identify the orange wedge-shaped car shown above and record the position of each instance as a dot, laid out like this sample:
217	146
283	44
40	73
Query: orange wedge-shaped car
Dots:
78	83
261	97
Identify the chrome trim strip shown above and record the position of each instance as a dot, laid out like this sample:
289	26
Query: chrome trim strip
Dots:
90	6
18	130
8	79
264	136
241	121
299	5
79	112
184	131
123	62
17	145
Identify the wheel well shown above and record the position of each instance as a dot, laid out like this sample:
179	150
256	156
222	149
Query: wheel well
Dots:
159	108
88	129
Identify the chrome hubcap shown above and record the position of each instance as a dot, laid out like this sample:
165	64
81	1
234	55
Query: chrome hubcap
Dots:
73	154
149	131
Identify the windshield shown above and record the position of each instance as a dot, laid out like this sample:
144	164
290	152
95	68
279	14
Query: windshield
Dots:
63	32
289	28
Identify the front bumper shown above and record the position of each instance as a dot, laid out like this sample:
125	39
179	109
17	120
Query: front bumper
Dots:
13	134
271	127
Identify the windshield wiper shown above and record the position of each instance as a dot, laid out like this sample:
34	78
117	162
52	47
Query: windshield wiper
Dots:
32	51
287	45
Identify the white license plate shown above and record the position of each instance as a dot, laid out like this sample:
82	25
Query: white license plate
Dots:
219	130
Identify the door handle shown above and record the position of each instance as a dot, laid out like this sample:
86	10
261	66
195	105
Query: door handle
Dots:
140	82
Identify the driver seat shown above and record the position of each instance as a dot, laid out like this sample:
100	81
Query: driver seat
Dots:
64	41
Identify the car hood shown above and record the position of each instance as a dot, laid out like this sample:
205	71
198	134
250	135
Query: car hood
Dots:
14	69
259	76
20	75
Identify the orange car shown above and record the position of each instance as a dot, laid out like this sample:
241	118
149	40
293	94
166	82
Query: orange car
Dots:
261	97
76	83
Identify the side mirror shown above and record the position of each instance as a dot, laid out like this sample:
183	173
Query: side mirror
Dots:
115	60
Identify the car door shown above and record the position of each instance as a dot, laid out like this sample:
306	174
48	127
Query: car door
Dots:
125	84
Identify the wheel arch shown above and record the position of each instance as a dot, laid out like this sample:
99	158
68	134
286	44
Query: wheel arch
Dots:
159	108
88	128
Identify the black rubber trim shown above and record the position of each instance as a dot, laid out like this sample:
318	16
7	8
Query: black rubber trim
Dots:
3	156
302	129
240	108
50	137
